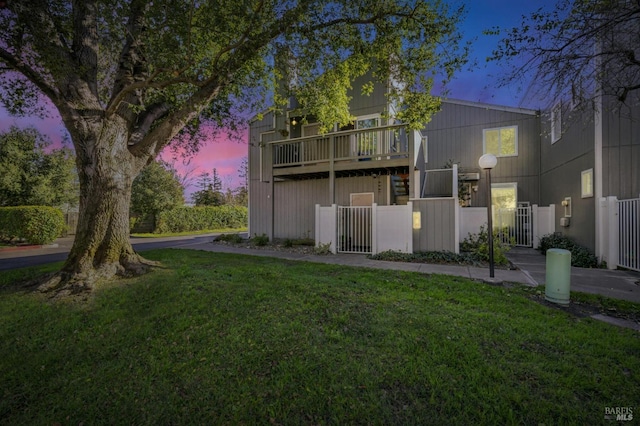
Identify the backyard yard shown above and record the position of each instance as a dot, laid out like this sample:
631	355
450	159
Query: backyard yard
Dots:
216	338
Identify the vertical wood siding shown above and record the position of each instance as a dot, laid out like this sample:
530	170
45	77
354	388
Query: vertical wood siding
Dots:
621	152
456	133
437	230
294	207
561	166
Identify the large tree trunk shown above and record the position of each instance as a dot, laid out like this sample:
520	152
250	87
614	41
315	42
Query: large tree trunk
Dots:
101	249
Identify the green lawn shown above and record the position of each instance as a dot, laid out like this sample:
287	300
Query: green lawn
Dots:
227	339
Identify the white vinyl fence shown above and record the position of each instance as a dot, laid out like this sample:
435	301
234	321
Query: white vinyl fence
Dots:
525	224
619	233
355	233
364	230
515	226
629	234
421	225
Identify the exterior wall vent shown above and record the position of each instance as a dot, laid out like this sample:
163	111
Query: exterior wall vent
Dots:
469	176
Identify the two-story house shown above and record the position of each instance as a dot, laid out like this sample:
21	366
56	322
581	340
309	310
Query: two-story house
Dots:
542	160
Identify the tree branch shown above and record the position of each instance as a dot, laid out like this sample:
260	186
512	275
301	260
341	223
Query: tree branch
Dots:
45	30
146	120
132	66
85	41
35	77
156	139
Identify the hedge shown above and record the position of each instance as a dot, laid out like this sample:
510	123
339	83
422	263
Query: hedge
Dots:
35	224
184	219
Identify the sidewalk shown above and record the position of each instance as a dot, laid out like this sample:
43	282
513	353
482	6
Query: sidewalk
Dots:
361	260
616	284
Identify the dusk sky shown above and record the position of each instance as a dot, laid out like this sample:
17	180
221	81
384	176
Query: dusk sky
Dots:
477	85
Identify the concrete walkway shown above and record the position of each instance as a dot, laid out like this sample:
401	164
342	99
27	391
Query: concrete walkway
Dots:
616	284
361	260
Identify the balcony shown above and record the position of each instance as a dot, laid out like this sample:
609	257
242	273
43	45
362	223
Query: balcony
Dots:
345	153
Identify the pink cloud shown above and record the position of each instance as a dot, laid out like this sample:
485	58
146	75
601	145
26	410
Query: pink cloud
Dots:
219	152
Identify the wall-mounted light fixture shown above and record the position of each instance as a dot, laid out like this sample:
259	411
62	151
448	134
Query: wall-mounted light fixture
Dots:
566	203
293	122
417	220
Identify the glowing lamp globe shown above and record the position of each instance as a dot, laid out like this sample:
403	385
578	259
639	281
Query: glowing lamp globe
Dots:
487	161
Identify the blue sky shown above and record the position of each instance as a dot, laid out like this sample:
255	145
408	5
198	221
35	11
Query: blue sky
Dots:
478	85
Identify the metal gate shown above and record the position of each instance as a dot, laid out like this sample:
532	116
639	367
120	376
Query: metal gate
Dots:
354	229
629	234
514	226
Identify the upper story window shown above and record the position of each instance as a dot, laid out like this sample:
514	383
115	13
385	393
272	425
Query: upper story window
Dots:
556	122
501	141
367	140
367	122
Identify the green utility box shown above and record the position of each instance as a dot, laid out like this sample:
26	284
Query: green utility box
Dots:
558	282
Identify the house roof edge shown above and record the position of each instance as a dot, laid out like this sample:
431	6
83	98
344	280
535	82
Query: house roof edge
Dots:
491	106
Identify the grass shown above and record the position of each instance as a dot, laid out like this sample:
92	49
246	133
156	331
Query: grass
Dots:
226	339
180	234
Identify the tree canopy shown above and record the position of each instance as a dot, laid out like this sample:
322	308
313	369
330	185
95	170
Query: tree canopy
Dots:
128	77
577	51
155	189
31	173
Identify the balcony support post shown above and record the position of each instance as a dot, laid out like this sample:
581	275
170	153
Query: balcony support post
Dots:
332	173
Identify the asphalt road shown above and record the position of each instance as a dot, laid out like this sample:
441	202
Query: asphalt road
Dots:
41	256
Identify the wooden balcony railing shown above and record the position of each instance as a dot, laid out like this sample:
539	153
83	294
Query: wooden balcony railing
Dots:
373	144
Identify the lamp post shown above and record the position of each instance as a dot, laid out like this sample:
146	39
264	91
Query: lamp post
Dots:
488	162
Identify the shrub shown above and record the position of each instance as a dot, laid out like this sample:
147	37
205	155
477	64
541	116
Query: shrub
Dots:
293	242
304	242
230	238
35	224
260	240
581	256
184	219
479	245
442	257
322	248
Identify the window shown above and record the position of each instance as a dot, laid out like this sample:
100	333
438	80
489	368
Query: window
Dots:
367	122
586	183
501	142
556	122
367	141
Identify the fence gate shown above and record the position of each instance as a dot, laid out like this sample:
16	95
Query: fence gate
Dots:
354	229
514	226
629	234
